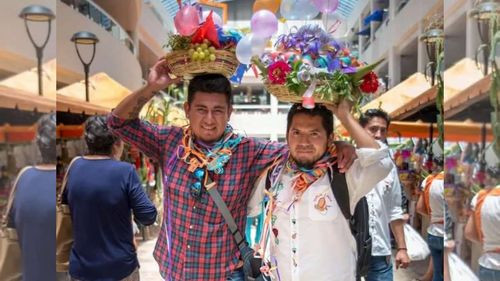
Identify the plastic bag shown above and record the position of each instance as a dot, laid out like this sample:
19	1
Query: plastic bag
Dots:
416	245
459	270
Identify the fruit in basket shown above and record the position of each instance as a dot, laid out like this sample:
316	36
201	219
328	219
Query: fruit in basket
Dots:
203	52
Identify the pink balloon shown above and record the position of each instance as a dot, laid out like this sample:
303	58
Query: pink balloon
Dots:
187	20
326	6
217	19
264	23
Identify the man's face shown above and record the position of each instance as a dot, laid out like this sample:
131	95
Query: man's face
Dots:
377	128
307	139
208	115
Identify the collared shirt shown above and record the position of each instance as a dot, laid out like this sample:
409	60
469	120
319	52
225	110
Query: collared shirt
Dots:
490	220
384	203
311	239
436	202
194	241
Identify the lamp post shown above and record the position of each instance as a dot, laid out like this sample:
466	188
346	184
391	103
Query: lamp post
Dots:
433	39
85	38
38	13
483	12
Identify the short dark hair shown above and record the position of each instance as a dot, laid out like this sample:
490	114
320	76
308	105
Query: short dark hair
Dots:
210	83
98	136
319	110
372	113
46	137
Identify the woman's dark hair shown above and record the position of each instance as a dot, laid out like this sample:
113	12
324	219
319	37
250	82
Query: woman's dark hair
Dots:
319	110
210	83
98	136
372	113
46	138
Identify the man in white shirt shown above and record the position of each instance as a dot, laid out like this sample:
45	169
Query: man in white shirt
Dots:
305	236
384	203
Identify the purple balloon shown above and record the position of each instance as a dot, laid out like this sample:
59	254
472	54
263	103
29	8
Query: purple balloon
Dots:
264	23
326	6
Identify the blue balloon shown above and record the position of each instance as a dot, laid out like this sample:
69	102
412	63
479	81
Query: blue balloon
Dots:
298	10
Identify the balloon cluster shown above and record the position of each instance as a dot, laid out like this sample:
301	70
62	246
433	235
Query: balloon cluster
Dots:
264	23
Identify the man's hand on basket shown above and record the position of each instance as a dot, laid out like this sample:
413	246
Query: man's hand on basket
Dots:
160	77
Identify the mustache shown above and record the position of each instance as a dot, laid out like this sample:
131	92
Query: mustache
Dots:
304	147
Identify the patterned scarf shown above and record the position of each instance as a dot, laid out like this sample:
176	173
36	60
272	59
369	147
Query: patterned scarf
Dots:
200	156
304	178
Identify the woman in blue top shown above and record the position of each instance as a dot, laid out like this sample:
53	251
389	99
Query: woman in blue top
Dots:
33	212
102	192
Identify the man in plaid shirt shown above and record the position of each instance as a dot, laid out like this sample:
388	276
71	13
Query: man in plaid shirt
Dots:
194	241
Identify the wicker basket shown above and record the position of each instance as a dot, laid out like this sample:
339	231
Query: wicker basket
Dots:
282	93
181	64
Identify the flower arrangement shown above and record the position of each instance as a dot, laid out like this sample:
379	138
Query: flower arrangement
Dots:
201	45
308	64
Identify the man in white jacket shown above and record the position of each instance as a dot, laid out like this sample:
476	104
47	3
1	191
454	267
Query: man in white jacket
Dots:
305	235
384	204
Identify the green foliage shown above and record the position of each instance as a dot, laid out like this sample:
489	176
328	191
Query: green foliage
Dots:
178	42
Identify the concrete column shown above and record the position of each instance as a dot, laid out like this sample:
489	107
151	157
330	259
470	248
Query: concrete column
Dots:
274	106
472	39
392	9
394	67
421	52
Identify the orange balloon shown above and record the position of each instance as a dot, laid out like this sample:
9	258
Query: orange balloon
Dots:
271	5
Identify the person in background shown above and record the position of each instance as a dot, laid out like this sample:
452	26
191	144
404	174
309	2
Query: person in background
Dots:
431	203
102	192
384	202
33	212
483	226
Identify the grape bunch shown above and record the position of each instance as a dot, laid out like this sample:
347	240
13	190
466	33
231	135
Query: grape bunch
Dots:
202	52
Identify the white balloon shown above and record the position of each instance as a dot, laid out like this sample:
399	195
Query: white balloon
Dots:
335	24
244	49
217	19
258	45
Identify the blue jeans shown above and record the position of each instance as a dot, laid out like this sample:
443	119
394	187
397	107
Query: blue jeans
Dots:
486	274
436	246
237	275
380	269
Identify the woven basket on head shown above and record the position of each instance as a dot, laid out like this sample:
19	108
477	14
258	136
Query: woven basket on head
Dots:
282	93
181	64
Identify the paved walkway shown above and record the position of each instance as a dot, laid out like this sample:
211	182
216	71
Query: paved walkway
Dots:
149	268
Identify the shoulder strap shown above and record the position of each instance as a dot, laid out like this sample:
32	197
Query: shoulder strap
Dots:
65	180
427	190
221	205
340	190
12	195
477	212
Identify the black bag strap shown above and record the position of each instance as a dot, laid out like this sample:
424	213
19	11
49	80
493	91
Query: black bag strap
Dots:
233	228
340	191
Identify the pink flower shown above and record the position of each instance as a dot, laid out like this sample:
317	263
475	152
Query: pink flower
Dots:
278	71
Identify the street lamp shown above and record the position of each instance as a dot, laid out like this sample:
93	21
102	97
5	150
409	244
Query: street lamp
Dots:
38	13
433	39
85	38
483	12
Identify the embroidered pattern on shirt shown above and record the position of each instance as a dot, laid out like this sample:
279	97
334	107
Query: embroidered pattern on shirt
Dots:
322	203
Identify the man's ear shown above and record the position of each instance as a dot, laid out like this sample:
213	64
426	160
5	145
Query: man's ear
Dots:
229	112
186	109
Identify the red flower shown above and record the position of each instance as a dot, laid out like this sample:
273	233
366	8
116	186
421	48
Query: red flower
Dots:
278	71
370	83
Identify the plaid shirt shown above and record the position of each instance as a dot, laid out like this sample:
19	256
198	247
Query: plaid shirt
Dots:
194	242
